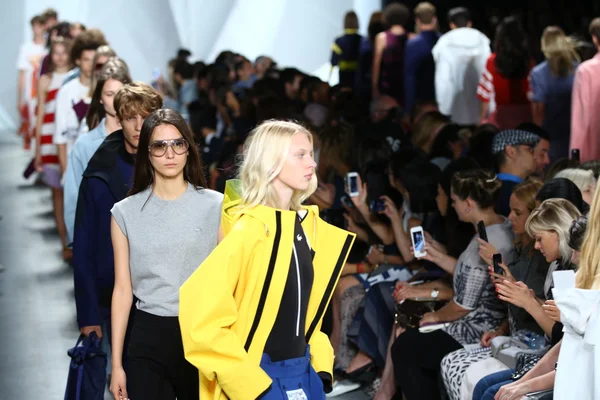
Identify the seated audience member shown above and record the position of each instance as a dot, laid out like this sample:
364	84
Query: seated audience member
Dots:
460	56
372	328
584	180
513	150
246	76
426	129
475	309
531	268
447	146
550	224
542	150
561	188
263	65
183	73
344	51
480	146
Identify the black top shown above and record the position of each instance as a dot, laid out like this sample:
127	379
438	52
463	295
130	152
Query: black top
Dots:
287	339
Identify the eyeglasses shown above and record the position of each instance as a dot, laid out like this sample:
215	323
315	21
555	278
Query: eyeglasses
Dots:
159	148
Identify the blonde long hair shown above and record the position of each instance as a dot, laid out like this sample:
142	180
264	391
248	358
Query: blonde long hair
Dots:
265	153
559	50
588	275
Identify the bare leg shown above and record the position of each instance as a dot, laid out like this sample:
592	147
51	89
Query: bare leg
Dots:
345	283
387	390
59	218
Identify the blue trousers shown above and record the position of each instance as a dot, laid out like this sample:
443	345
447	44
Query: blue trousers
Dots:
488	386
291	378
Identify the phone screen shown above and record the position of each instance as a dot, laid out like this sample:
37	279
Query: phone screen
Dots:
497	259
419	242
353	184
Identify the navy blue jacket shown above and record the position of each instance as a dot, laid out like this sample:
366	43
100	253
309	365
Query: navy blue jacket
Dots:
419	69
106	181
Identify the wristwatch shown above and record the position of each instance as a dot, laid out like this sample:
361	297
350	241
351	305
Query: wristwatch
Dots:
435	293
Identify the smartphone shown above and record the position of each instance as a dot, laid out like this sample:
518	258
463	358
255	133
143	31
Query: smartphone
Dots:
575	154
481	230
377	206
347	202
352	183
418	241
497	260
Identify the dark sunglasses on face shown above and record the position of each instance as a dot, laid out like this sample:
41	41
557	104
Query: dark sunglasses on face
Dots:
99	66
158	148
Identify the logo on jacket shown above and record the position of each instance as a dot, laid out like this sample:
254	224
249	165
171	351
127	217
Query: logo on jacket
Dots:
299	237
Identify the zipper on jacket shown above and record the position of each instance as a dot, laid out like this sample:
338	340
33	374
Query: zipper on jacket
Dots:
330	287
267	284
299	290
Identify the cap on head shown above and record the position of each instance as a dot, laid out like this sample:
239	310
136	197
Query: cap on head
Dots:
513	137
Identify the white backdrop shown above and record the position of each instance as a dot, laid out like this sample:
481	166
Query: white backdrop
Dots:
147	33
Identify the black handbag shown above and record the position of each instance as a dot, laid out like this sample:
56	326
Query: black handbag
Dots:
410	311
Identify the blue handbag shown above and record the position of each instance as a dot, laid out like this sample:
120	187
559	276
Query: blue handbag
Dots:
87	370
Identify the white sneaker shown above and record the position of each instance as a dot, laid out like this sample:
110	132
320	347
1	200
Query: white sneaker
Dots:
341	387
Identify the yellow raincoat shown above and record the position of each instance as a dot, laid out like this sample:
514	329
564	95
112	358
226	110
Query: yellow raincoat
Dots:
229	305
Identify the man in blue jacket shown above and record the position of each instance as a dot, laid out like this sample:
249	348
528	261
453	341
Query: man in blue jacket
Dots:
106	181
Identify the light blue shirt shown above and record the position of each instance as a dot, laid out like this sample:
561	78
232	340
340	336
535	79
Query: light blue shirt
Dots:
83	150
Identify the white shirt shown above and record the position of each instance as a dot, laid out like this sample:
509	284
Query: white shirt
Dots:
460	56
30	61
66	119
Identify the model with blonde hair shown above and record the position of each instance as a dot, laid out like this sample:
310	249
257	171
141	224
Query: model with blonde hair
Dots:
251	314
551	85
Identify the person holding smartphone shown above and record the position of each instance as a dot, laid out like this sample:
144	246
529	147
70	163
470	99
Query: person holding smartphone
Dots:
530	267
475	308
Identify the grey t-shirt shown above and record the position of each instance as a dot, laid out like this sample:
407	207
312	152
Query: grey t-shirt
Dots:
168	240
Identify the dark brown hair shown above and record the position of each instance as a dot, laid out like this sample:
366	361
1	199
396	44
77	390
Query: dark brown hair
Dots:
350	20
115	68
137	98
481	185
376	25
88	40
50	13
395	14
144	172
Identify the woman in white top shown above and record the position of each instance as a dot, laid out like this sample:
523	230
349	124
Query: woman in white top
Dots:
166	227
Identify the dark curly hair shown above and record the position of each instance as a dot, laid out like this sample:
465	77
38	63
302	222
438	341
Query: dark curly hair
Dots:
395	14
512	51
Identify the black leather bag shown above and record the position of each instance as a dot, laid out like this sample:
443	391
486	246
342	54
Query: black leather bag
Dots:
410	311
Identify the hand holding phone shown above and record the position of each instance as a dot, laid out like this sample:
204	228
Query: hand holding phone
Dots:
417	237
482	231
497	260
352	184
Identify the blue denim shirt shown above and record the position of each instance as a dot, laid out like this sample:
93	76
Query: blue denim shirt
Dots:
83	150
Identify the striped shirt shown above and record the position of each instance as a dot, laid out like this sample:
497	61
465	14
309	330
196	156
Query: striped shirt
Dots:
47	147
